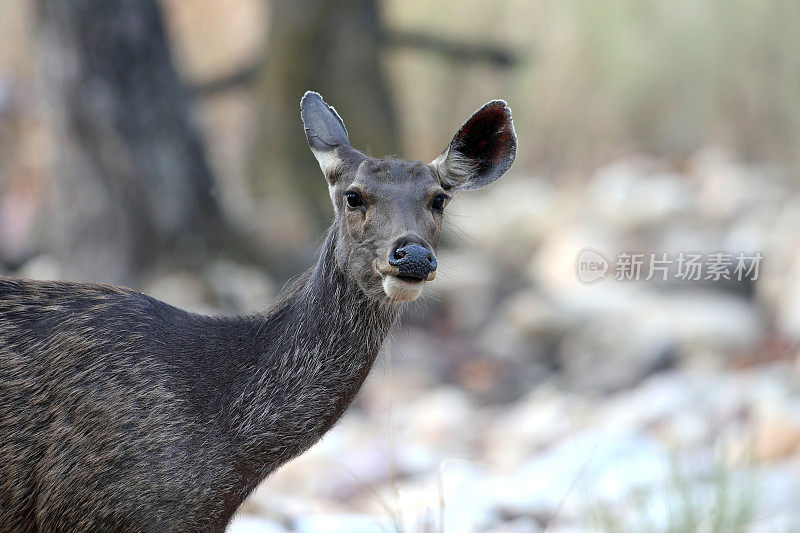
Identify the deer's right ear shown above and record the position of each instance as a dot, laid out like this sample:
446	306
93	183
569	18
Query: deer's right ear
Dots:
481	151
325	132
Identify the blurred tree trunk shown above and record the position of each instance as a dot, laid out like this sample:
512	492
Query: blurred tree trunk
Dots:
332	48
133	182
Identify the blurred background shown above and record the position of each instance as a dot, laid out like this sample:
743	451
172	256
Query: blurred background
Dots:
158	144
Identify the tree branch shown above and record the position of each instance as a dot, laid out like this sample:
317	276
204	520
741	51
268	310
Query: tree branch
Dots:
456	51
462	52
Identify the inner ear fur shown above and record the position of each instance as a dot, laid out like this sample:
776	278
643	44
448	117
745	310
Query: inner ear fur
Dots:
481	151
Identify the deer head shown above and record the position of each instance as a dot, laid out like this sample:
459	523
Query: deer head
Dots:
389	212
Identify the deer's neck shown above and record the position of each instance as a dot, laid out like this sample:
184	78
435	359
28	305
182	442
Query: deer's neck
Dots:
314	350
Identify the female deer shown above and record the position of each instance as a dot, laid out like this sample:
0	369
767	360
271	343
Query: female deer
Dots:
121	413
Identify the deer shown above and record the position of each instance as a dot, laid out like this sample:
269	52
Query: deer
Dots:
119	412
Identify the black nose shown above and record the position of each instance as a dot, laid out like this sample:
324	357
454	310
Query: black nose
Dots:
414	261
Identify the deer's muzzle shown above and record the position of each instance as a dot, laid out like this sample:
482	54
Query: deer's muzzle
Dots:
414	262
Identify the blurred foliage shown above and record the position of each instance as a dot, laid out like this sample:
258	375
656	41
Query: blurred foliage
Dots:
602	78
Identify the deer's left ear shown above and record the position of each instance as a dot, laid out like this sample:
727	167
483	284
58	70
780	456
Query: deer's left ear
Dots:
325	132
481	151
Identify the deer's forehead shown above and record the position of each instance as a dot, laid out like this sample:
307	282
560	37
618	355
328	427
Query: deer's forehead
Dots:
395	176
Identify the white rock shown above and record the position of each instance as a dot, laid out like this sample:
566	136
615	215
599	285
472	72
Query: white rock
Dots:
443	421
545	416
341	523
252	524
532	314
704	319
725	186
597	464
775	488
656	399
453	495
777	430
786	520
467	505
625	195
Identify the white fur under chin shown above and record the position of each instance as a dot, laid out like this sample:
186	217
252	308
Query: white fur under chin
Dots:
404	291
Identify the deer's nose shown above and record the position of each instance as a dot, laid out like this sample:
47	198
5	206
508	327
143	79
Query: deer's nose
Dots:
413	261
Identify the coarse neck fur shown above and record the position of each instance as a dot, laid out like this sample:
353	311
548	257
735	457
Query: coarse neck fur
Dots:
313	349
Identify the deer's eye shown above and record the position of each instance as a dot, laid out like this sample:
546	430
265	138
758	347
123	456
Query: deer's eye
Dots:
354	200
439	201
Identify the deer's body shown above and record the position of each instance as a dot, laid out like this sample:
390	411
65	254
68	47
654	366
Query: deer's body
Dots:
127	404
119	412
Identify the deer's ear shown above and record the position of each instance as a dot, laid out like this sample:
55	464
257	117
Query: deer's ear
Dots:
325	131
481	151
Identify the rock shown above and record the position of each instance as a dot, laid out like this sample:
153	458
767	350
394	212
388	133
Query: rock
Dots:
278	502
608	353
523	329
777	431
443	421
533	314
603	464
629	194
452	495
501	340
522	209
784	521
724	186
465	497
655	400
252	524
489	379
684	429
704	320
776	487
787	300
553	268
407	368
336	523
517	525
622	331
352	461
465	284
521	431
